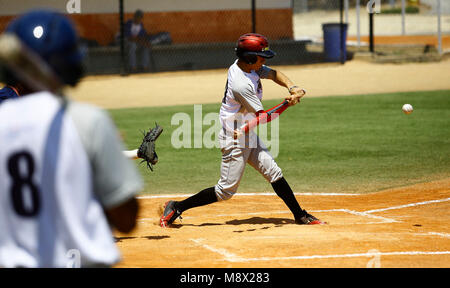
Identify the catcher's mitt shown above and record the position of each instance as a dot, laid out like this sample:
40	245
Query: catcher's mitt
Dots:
147	149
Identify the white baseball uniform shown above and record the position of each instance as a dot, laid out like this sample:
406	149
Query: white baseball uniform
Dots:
59	169
243	94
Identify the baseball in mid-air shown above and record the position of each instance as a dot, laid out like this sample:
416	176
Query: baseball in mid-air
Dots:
407	108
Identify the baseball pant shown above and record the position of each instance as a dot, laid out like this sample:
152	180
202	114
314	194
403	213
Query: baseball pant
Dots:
234	159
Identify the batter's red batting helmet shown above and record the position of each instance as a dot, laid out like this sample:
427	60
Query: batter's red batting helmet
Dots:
251	45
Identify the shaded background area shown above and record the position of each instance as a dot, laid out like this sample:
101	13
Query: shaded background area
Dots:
198	34
195	34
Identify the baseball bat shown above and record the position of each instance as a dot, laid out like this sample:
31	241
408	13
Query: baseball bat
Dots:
275	109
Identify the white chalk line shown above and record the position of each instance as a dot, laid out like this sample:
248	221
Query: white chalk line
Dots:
230	257
244	194
367	213
355	255
383	219
363	214
407	205
445	235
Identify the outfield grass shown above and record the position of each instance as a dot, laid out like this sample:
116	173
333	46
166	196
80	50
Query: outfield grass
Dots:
330	144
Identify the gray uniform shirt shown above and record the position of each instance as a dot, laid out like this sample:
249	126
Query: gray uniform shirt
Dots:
115	178
62	168
243	94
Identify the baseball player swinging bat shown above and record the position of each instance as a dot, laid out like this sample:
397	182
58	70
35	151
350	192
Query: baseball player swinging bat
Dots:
264	117
243	95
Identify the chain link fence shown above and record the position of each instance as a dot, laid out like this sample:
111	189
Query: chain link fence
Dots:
396	22
170	35
196	34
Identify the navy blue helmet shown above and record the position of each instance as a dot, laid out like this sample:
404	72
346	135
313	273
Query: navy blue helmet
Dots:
52	37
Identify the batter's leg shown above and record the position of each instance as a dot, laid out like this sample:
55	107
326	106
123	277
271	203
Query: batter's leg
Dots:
261	159
231	171
202	198
234	160
284	191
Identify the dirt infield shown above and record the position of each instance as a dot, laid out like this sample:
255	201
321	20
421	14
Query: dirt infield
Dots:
200	87
405	227
402	227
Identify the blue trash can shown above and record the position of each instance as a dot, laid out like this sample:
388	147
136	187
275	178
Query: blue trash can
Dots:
332	41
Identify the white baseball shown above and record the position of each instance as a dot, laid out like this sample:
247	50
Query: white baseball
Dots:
407	108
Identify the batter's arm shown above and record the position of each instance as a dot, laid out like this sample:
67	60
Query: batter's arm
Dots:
261	118
281	79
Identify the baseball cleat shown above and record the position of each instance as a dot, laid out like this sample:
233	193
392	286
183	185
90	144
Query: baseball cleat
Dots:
169	215
309	219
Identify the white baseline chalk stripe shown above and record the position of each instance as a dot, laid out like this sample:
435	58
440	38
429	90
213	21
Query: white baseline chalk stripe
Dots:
408	205
445	235
363	214
230	257
356	255
384	219
245	194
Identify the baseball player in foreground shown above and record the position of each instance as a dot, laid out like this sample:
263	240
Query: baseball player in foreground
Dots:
64	179
239	144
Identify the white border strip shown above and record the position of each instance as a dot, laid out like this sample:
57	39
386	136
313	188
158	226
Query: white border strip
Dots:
244	194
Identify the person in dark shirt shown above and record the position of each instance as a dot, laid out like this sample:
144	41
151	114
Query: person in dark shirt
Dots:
137	40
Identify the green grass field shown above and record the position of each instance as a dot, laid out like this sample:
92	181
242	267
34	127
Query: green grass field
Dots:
351	144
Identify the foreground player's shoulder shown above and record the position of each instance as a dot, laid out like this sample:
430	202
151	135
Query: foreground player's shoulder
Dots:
86	115
116	179
91	122
26	105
